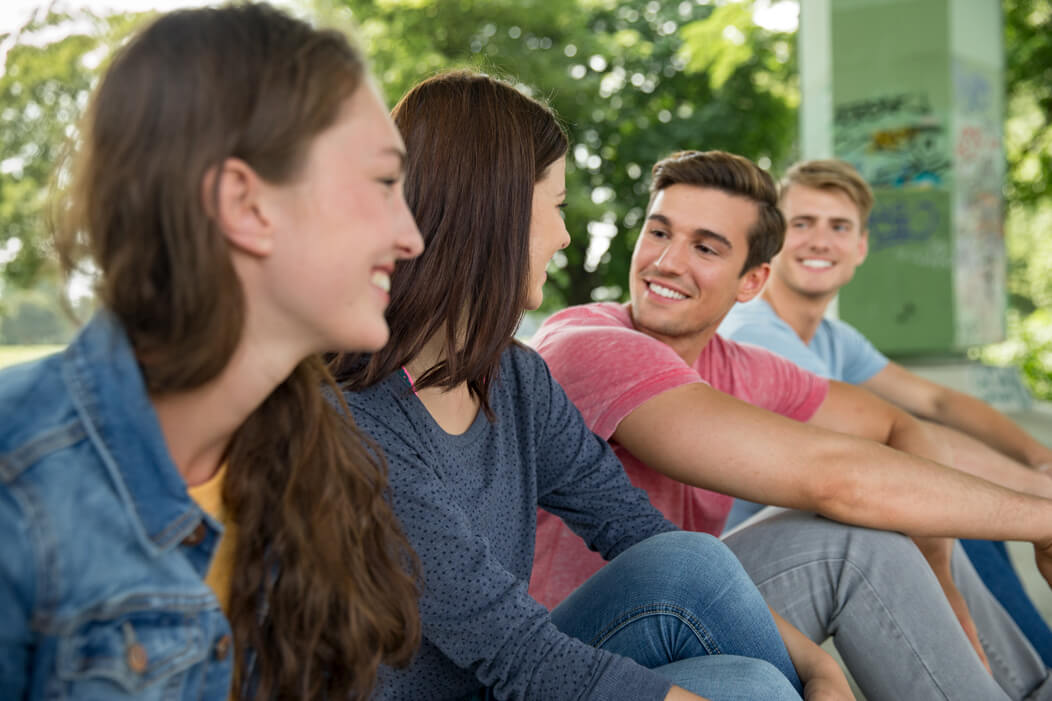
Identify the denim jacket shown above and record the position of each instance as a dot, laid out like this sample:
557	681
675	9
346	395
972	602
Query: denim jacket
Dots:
102	551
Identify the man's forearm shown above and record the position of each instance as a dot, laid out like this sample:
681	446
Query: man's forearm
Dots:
702	437
861	413
978	419
884	488
975	457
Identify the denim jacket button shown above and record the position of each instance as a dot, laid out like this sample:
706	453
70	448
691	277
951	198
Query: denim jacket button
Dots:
137	659
196	536
222	648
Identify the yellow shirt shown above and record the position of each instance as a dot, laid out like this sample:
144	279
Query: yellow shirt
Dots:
209	496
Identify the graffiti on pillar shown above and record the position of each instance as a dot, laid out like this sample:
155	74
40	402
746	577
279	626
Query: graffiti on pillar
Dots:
898	221
894	140
911	227
979	264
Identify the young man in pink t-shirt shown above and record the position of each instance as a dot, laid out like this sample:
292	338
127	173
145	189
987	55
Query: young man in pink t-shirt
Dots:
645	376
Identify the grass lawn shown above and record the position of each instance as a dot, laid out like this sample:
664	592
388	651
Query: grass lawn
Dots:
9	355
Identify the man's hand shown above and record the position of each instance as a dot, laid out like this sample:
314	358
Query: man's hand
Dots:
939	554
1043	555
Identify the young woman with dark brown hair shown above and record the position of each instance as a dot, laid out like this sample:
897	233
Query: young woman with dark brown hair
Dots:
239	188
478	435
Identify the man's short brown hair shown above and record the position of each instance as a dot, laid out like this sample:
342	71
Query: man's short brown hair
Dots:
734	175
831	174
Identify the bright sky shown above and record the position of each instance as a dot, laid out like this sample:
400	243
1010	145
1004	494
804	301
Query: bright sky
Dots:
773	14
13	13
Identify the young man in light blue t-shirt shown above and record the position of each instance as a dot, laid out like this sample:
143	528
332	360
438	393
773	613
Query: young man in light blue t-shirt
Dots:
826	204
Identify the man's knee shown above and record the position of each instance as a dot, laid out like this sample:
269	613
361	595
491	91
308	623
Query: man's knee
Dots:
797	536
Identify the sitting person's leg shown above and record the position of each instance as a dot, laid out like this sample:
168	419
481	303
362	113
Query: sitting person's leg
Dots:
730	678
991	559
679	596
874	593
994	567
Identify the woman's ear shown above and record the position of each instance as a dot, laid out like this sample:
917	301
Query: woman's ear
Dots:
233	194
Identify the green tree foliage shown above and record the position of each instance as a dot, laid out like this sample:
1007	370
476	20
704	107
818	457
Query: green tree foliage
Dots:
48	72
633	81
1028	193
42	91
1028	81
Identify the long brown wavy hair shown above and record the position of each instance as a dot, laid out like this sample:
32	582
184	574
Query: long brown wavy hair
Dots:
477	146
323	585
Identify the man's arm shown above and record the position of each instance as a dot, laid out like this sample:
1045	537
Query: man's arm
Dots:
700	436
952	408
973	456
858	412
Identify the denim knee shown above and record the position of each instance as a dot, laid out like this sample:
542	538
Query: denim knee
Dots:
762	680
731	678
700	559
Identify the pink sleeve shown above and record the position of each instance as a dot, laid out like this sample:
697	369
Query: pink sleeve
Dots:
757	376
606	369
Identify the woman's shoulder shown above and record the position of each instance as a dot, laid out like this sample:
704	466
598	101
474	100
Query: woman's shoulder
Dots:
519	355
35	403
385	411
523	369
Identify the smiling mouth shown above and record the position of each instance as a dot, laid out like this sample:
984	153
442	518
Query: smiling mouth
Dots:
666	292
381	279
816	263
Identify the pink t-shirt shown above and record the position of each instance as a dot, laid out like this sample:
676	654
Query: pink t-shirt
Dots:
608	369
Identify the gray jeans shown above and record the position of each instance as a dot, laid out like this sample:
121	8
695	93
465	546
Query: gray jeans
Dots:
873	592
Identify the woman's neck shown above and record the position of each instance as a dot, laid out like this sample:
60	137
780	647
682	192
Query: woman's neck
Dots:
198	424
453	409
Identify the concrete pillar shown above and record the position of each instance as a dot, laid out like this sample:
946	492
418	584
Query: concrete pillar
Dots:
910	92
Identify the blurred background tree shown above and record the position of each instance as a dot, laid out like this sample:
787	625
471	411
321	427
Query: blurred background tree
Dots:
632	81
1028	193
50	65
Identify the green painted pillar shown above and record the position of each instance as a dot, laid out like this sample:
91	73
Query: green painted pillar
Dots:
910	92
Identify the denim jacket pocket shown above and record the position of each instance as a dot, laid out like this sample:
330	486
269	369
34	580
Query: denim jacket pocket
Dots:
144	653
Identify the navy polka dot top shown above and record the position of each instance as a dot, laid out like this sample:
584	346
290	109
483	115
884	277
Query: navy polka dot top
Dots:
468	505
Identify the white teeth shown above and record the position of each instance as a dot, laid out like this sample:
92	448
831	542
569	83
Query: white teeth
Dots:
816	263
665	292
382	280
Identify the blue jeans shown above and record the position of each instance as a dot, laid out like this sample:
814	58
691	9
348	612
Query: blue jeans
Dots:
682	604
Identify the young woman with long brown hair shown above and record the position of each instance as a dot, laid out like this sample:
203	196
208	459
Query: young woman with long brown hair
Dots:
477	435
239	188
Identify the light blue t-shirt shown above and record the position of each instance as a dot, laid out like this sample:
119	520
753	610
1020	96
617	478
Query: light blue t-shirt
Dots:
837	351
